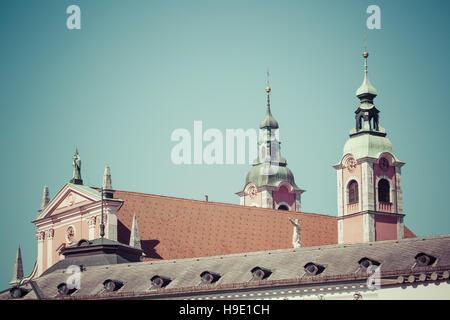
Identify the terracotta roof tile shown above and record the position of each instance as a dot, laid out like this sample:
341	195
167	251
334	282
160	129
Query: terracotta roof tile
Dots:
408	233
174	228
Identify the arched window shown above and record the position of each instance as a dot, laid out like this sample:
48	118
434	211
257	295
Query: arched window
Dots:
283	207
353	192
383	191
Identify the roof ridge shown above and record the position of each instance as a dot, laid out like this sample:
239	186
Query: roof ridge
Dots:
221	203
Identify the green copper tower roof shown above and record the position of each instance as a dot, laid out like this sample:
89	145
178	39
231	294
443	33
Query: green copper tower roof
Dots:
366	87
269	121
269	168
367	145
267	174
367	138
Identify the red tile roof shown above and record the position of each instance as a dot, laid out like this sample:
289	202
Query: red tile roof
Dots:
408	233
174	228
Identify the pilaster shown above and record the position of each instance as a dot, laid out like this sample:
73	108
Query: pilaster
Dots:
298	202
367	186
40	236
340	203
91	223
369	227
267	199
400	228
110	224
49	235
398	181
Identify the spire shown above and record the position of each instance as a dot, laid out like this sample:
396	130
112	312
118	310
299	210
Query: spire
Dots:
268	89
366	91
18	269
107	184
76	178
367	115
269	121
45	198
135	240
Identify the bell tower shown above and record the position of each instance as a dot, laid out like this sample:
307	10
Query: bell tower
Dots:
369	187
270	183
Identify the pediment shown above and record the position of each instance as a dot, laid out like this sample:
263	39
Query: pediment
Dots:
72	199
69	197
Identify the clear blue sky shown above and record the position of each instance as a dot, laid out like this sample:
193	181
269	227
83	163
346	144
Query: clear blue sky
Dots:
138	70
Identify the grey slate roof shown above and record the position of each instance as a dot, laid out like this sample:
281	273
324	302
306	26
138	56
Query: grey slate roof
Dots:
340	262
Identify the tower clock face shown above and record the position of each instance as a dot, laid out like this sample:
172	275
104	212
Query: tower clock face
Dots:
384	164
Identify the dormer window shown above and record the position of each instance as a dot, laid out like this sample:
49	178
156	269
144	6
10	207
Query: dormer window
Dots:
313	269
18	292
423	259
64	290
209	277
83	243
112	285
259	273
367	262
159	282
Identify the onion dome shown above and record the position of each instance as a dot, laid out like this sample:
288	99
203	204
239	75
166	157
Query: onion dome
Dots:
366	88
281	173
269	121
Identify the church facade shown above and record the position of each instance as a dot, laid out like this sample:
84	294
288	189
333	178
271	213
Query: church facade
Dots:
286	253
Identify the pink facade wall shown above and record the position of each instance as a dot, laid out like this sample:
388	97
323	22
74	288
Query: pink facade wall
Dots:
353	229
385	228
283	195
59	237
